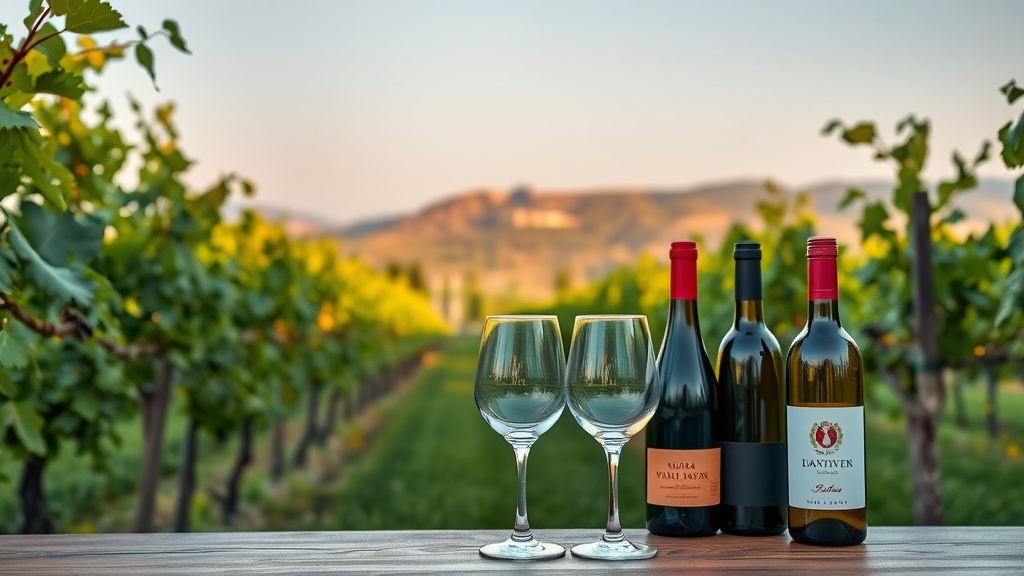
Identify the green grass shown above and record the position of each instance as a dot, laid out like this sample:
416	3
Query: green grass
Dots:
438	465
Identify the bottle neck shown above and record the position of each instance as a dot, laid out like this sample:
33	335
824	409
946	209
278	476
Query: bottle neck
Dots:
682	313
749	305
822	290
823	311
683	284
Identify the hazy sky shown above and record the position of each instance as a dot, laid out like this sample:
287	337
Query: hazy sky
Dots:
350	110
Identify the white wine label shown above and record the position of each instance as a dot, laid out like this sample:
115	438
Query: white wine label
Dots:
826	457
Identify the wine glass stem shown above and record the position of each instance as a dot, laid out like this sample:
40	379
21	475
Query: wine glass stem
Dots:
521	533
613	533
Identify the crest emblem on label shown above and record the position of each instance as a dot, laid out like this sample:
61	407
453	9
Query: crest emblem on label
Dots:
826	437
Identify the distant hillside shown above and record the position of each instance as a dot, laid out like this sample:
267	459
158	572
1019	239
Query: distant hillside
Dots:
517	241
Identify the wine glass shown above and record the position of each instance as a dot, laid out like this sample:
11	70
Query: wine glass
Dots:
612	388
519	391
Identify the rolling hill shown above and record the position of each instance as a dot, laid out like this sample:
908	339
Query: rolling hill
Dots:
515	242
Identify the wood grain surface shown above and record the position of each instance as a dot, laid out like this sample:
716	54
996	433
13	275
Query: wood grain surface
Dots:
967	550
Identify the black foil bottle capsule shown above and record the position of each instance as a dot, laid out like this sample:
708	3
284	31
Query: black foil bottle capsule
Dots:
750	423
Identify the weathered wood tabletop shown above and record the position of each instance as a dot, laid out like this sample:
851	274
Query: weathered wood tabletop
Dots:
975	550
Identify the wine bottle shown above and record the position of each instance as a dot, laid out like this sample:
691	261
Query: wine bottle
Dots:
825	415
683	465
749	424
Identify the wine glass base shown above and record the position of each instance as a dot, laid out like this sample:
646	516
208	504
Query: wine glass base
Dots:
623	550
531	549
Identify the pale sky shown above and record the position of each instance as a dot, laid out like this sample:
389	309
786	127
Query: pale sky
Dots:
357	109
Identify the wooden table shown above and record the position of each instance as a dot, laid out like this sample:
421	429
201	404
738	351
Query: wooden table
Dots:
887	551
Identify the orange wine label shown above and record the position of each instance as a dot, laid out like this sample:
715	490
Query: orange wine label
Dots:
683	478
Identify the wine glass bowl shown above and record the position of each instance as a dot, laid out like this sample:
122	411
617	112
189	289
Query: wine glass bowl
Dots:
612	390
520	393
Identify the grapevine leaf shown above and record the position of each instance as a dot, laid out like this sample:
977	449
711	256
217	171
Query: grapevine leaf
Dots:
983	153
1015	138
13	352
6	385
19	81
852	195
831	127
65	7
1015	247
143	35
15	118
29	427
1018	194
1013	291
7	265
35	9
94	16
144	56
176	39
863	133
54	237
946	190
955	216
61	83
44	169
873	220
53	48
64	283
1011	91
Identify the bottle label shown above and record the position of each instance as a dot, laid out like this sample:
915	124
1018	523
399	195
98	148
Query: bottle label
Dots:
683	478
826	457
754	473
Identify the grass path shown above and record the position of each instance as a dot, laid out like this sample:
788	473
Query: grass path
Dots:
438	465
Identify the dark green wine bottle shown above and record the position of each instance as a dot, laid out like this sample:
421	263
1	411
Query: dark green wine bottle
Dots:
683	464
750	422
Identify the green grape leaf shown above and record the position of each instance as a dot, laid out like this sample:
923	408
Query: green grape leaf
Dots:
1015	247
13	352
1018	194
1011	156
15	119
60	82
44	169
7	266
87	406
175	36
64	283
53	48
1011	91
35	9
955	216
862	133
19	81
93	16
55	237
65	7
852	195
873	220
1015	138
1013	291
144	56
831	127
983	153
28	425
6	385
